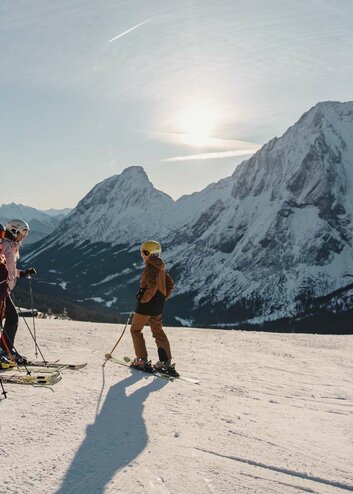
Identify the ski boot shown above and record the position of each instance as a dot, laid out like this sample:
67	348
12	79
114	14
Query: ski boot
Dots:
5	362
142	365
166	368
20	359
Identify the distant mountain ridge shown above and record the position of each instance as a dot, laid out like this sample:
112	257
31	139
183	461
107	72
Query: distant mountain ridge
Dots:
41	224
259	246
57	213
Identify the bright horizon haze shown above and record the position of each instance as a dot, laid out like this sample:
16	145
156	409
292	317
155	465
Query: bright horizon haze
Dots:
187	91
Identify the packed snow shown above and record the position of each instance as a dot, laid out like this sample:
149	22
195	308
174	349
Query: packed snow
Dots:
273	413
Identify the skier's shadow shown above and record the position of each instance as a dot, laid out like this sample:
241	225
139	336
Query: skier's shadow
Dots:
117	436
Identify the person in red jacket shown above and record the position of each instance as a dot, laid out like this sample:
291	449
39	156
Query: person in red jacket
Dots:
155	287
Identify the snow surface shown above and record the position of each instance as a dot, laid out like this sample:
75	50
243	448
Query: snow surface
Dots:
275	417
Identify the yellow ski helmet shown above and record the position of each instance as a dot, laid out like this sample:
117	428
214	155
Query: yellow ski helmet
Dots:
150	247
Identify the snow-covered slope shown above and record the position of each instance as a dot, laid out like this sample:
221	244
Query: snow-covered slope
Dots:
277	419
256	246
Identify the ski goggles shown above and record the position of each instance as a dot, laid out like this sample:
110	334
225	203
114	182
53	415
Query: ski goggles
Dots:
24	232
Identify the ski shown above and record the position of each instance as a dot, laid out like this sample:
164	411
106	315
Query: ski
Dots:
35	370
37	380
55	365
128	363
169	376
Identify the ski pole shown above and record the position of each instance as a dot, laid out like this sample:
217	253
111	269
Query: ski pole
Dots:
3	389
9	353
3	336
34	324
108	356
30	332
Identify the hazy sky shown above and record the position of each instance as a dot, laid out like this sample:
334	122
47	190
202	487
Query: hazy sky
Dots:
185	88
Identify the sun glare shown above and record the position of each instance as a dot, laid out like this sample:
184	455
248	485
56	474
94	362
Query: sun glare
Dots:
198	123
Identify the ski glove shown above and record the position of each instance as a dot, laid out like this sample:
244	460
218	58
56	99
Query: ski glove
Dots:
27	273
140	293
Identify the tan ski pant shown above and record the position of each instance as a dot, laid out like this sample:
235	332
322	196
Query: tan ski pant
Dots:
155	323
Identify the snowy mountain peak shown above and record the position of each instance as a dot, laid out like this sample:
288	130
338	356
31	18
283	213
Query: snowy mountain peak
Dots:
134	172
120	209
303	162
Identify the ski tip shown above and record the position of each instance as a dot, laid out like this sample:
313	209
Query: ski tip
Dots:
76	366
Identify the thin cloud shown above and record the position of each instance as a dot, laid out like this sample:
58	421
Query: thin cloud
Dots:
209	156
212	142
129	30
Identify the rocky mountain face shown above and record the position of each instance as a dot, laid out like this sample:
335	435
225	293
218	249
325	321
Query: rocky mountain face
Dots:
284	232
272	243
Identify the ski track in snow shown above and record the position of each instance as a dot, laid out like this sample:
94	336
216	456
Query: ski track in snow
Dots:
275	417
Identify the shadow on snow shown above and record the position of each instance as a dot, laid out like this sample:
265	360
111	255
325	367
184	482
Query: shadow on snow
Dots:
114	440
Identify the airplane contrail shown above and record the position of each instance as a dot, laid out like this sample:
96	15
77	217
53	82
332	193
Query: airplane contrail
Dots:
129	30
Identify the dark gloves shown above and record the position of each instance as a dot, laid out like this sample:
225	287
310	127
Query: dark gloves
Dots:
28	273
140	293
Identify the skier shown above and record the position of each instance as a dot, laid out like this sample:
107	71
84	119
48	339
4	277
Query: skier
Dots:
3	294
155	287
16	231
3	272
